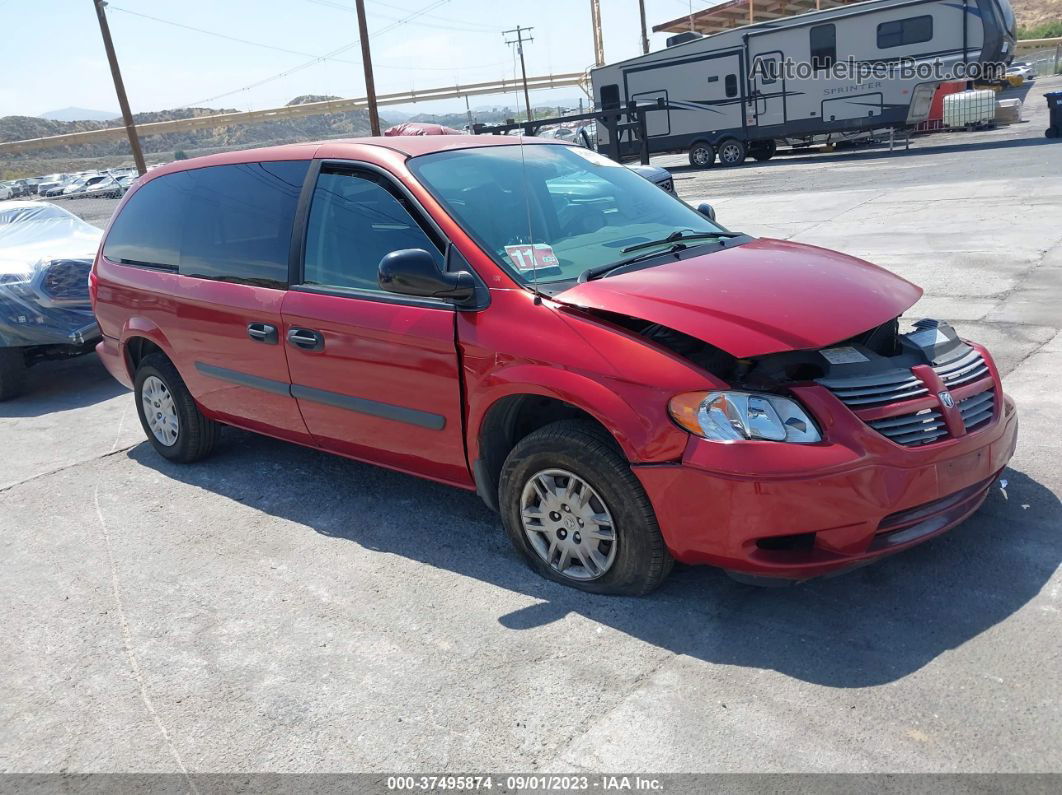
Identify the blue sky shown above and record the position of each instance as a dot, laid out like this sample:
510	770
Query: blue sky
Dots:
54	57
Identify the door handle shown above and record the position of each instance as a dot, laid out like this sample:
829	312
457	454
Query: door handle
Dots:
262	332
306	338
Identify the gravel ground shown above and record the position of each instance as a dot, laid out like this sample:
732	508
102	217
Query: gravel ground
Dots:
279	609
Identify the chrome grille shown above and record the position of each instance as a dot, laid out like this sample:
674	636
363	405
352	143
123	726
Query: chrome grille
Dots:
977	409
968	367
868	390
67	280
911	430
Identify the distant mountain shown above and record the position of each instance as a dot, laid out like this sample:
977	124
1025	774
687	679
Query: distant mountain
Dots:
79	114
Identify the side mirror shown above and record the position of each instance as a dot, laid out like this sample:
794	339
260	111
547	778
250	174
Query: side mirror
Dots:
705	209
413	271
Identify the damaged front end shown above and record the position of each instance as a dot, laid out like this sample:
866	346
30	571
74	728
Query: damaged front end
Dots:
913	388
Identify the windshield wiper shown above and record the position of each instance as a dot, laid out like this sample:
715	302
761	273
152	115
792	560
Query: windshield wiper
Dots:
676	239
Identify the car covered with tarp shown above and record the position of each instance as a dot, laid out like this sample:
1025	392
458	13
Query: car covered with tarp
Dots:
46	254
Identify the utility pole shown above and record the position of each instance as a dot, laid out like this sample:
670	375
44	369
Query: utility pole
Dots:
599	41
645	35
519	42
366	62
119	88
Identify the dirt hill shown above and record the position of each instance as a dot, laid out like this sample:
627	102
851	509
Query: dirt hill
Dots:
162	147
1032	14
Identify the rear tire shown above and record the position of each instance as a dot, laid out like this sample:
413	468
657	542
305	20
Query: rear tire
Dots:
732	152
623	551
702	155
1051	132
12	372
178	431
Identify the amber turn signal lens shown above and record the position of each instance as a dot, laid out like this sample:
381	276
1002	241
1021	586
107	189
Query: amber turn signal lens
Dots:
684	409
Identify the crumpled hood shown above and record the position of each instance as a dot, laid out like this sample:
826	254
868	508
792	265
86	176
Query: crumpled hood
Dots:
762	297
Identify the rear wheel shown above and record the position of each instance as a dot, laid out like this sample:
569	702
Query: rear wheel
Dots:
1051	132
732	152
702	155
173	423
571	505
12	372
763	150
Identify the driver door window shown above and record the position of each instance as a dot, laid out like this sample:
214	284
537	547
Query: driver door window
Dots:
354	222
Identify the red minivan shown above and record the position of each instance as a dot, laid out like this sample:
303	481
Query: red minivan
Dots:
625	381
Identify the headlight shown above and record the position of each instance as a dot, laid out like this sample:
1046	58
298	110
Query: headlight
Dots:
739	416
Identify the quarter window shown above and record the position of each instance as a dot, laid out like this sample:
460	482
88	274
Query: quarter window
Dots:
354	222
823	46
899	32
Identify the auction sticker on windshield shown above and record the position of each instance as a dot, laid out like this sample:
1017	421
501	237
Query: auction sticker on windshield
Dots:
532	257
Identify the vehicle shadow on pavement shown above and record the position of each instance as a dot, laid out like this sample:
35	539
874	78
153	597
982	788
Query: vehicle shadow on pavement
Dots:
869	627
61	386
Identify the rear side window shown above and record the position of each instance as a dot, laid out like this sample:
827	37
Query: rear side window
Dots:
229	223
823	46
899	32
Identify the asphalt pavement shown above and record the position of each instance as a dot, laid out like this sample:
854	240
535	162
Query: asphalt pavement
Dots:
279	609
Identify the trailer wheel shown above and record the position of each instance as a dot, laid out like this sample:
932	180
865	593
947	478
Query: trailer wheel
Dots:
764	150
732	152
702	155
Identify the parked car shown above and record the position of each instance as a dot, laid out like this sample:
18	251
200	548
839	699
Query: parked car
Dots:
51	182
627	382
1022	69
5	191
94	185
45	257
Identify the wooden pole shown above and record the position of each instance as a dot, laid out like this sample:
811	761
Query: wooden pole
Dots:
645	35
366	62
119	88
599	42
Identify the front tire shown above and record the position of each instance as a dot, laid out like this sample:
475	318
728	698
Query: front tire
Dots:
702	155
173	423
12	372
732	152
571	505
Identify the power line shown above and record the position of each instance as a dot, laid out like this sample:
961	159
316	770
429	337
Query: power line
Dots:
300	53
321	58
450	24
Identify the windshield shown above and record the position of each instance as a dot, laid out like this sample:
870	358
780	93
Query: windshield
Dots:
548	213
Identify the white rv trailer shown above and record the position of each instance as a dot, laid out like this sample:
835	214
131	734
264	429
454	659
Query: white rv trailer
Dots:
728	93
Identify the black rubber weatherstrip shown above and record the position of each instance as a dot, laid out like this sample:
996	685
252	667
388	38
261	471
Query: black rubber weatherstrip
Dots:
425	419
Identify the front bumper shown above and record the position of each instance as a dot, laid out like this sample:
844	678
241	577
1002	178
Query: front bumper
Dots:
793	512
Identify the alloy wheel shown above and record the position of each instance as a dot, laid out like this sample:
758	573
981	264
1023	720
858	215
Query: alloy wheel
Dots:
730	153
159	410
568	524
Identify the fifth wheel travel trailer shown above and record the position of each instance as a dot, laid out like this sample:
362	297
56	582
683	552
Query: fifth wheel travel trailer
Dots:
735	93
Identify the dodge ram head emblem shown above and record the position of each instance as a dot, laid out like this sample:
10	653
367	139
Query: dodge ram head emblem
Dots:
946	400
